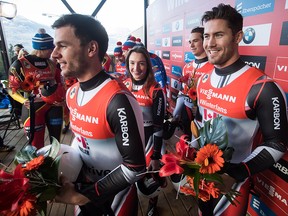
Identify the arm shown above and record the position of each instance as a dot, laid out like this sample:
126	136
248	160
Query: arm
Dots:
158	109
268	106
15	79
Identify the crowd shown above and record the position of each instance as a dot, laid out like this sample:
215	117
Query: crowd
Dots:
128	107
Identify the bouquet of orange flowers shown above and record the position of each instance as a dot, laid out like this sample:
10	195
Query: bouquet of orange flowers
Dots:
190	81
30	83
34	181
202	163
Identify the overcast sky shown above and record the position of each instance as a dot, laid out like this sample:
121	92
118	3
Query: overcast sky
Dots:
113	14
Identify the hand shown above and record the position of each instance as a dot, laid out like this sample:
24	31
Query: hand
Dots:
68	194
228	182
154	165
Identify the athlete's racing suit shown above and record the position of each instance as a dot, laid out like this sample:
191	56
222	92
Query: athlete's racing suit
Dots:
183	108
248	102
108	126
153	109
45	71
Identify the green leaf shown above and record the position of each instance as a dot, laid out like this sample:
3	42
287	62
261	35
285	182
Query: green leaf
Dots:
42	208
55	147
196	182
215	177
25	155
214	131
48	194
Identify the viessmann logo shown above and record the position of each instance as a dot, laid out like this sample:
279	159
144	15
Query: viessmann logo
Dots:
281	69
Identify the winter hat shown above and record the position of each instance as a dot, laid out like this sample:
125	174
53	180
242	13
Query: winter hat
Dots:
118	49
139	43
42	40
130	43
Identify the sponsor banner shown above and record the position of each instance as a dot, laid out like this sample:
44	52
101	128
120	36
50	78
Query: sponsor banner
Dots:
177	56
176	70
167	69
281	69
284	34
177	25
166	28
175	84
158	52
188	57
272	192
252	8
166	55
177	41
257	35
158	42
255	61
281	169
192	21
166	42
259	207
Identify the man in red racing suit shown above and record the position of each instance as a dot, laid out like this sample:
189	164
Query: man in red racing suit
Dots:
248	101
106	120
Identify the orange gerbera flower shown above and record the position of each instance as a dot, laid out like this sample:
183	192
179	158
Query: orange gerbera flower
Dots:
28	206
210	158
35	163
27	86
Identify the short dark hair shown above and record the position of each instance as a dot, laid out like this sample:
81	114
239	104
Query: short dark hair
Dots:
228	13
198	29
19	45
86	28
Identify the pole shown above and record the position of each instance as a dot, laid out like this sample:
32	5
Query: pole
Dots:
146	4
4	53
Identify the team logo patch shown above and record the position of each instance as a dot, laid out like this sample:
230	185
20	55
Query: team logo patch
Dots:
72	92
205	78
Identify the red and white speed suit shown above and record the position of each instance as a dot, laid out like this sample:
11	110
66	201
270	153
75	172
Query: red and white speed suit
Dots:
45	114
108	126
248	102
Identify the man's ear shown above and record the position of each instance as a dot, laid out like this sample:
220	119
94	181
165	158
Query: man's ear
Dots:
238	37
92	48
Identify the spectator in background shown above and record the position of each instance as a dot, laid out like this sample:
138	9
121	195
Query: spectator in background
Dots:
16	49
46	76
256	104
119	59
128	44
106	62
22	52
151	98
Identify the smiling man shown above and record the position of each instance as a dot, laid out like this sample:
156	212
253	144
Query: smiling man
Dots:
249	103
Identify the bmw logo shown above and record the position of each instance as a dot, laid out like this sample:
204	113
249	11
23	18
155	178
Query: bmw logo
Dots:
249	35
